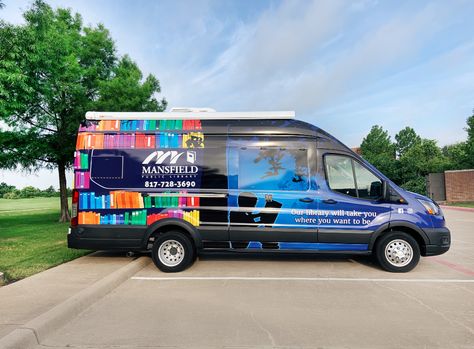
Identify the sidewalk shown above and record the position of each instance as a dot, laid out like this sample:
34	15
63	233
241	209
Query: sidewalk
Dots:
26	299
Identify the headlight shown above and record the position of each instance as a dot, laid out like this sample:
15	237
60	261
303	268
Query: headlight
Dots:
430	207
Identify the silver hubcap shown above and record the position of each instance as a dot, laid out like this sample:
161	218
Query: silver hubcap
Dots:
399	253
171	253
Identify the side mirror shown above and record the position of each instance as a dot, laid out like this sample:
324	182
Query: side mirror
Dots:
390	195
385	191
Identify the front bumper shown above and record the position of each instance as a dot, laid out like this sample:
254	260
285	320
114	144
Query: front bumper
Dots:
439	241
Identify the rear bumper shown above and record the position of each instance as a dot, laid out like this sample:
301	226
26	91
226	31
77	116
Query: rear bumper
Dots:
439	241
113	237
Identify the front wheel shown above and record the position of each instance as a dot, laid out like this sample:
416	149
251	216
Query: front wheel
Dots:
173	252
397	252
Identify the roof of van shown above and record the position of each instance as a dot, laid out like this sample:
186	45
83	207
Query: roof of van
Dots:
182	113
282	123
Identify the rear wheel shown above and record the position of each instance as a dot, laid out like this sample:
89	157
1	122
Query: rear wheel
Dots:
173	252
397	252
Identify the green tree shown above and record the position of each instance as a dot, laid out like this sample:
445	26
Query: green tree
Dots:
422	158
29	192
469	149
405	139
5	188
52	70
50	191
378	149
125	90
456	155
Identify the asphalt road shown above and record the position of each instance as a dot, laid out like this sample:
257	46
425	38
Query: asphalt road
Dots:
247	302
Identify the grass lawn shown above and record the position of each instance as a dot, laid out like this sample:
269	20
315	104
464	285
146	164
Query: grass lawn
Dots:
31	239
462	204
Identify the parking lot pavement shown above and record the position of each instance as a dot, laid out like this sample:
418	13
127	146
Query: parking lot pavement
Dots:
275	301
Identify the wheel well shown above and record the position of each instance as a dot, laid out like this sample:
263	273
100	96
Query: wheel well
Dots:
412	232
166	228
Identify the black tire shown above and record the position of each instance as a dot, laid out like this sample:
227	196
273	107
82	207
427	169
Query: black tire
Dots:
173	252
389	244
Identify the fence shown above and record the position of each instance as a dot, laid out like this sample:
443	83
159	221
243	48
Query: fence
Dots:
451	186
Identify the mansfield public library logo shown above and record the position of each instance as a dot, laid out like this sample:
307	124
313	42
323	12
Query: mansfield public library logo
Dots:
170	162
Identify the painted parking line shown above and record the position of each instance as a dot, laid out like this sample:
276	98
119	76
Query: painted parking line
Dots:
453	266
245	278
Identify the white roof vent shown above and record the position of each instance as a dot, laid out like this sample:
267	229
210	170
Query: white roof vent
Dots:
192	110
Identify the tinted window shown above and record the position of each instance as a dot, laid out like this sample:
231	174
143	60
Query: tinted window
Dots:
273	168
349	177
214	171
340	174
107	167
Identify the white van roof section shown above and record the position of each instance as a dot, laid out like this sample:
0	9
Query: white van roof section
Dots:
201	115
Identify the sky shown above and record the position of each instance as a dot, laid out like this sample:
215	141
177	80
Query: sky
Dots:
341	65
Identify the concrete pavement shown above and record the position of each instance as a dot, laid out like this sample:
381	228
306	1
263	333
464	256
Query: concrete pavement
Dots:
26	299
286	301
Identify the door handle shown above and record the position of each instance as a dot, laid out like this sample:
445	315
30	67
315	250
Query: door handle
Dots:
306	200
330	201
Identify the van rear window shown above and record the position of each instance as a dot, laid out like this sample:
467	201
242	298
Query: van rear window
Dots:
107	167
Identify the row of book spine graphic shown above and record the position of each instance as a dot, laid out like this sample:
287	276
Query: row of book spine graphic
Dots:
139	217
81	160
133	217
82	179
141	125
139	140
189	216
123	199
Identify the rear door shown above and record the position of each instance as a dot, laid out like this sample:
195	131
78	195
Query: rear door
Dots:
271	195
351	206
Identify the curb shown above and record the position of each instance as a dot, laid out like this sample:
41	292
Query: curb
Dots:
457	208
35	331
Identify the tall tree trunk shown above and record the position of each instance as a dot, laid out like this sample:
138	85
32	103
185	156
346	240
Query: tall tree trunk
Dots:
65	216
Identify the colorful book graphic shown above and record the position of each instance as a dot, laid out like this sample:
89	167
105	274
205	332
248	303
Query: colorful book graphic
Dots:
193	140
90	141
191	125
125	199
144	141
132	218
89	126
189	216
109	125
122	199
81	160
89	200
81	180
141	125
89	218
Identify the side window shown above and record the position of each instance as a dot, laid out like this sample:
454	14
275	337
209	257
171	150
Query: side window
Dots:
340	174
349	177
273	168
368	185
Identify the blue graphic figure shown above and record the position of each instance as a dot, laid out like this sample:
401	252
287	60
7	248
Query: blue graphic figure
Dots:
248	202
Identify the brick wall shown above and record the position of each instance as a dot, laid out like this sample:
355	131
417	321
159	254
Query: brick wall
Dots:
459	185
